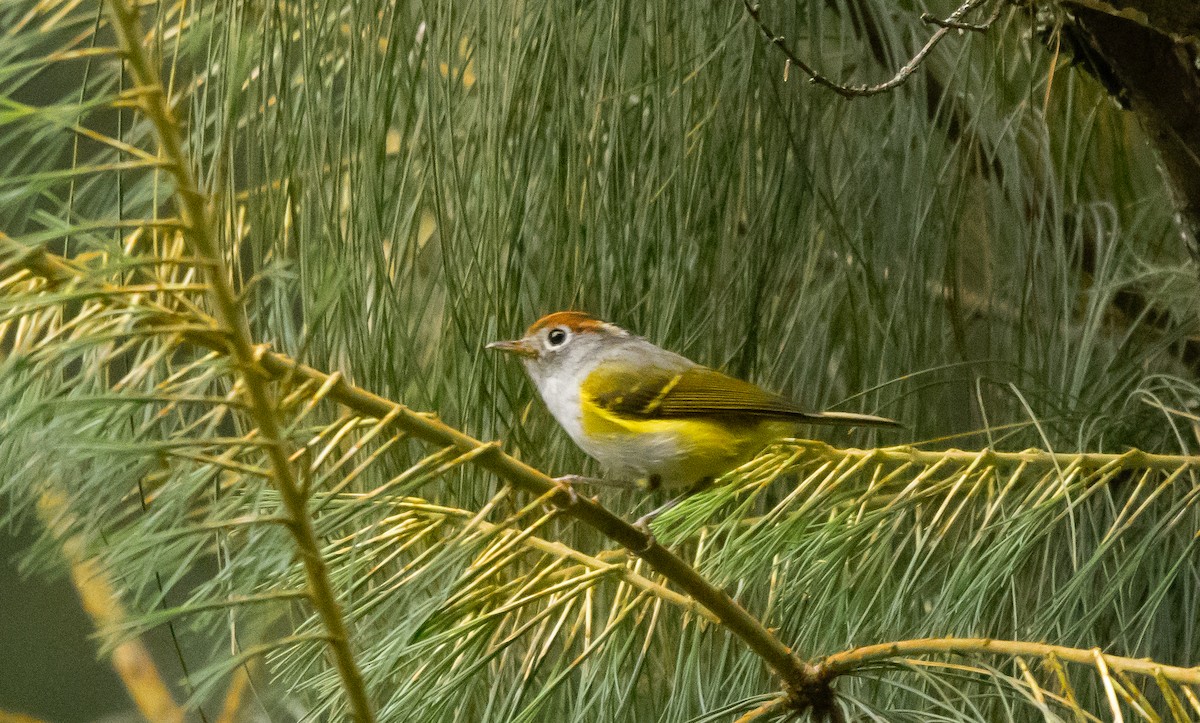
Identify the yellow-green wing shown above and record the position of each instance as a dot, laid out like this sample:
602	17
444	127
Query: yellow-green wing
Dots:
700	391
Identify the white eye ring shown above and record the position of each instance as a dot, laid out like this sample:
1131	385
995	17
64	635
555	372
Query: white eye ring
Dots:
557	337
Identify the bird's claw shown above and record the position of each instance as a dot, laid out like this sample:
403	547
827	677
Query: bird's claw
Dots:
642	525
566	484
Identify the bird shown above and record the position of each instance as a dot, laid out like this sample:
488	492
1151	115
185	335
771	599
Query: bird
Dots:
649	416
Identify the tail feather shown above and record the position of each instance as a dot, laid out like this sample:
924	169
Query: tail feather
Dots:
850	419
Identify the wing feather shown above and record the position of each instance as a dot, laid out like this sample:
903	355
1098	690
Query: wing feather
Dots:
700	391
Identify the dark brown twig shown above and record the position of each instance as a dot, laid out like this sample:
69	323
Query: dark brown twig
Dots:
955	25
953	22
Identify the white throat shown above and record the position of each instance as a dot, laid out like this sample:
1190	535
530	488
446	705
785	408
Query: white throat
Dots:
560	392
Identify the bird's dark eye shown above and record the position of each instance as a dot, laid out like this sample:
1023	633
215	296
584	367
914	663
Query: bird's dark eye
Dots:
557	337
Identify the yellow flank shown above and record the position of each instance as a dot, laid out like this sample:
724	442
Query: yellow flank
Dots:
680	451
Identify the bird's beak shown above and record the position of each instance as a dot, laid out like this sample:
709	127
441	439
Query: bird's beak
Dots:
520	347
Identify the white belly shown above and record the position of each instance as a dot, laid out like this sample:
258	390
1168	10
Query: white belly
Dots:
646	456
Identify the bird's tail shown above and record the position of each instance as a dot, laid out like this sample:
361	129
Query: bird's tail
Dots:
849	419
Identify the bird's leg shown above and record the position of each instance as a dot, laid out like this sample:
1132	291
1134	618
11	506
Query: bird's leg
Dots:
643	522
649	484
567	483
575	479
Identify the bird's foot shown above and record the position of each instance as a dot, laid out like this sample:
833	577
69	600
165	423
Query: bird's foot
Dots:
643	522
567	484
642	525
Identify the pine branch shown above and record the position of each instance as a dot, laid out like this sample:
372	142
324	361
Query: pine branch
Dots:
841	464
847	662
814	678
988	457
200	228
1110	669
794	673
797	677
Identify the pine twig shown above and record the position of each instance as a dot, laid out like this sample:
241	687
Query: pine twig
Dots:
847	662
795	674
774	706
987	457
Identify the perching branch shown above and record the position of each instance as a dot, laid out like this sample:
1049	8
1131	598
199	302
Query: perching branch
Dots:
796	675
954	22
200	232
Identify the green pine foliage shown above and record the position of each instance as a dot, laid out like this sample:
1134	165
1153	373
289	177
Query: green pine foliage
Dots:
987	254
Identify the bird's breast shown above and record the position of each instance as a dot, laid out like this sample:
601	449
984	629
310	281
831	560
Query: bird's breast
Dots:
562	398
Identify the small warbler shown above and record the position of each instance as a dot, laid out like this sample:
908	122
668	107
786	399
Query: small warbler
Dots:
649	414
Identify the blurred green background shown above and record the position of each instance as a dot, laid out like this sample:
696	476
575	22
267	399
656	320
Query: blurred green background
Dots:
988	253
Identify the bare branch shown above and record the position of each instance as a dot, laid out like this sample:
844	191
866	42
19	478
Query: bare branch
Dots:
953	22
955	25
